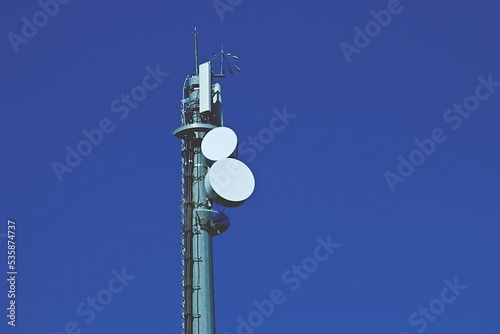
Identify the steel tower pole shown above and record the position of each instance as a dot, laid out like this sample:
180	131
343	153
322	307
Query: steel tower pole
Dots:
197	271
201	112
203	291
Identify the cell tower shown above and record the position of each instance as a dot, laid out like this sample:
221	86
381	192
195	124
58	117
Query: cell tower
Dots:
211	179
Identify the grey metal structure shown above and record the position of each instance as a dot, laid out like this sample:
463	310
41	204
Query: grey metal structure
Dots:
199	221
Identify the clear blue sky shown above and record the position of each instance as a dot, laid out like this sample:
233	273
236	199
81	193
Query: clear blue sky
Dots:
356	109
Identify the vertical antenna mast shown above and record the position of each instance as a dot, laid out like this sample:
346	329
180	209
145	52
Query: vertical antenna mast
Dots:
201	133
195	33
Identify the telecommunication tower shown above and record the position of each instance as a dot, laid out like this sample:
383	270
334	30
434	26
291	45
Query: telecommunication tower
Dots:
211	179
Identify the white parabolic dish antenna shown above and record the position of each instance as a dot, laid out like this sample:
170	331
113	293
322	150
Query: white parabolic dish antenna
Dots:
219	143
229	182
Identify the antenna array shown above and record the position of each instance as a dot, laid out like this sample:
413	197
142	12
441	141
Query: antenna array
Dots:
211	178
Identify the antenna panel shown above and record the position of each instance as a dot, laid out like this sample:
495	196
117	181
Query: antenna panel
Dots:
216	116
205	87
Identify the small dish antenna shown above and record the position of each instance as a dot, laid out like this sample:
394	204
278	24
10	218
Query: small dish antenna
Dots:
229	182
219	143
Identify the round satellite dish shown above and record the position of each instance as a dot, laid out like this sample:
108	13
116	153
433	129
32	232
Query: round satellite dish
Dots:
219	143
229	182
